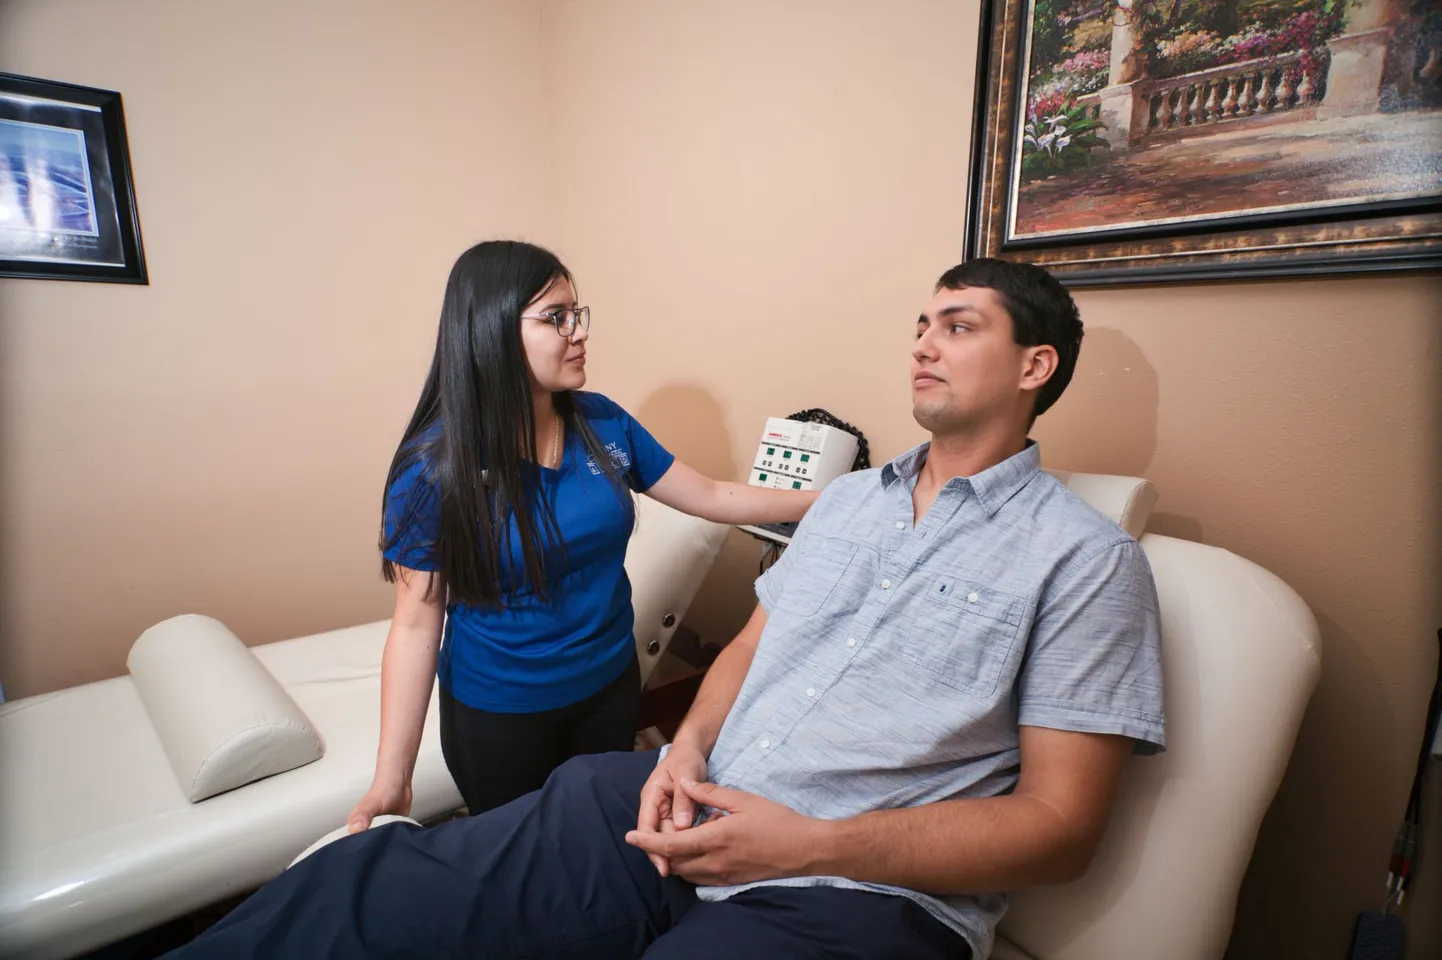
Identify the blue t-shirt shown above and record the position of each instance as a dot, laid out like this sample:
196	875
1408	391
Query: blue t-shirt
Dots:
529	656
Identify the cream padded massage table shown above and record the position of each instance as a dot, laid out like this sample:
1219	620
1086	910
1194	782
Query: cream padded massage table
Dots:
98	839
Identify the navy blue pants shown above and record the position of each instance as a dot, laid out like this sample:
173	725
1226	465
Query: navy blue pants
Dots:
549	876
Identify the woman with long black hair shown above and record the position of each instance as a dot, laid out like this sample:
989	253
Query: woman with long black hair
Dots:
504	528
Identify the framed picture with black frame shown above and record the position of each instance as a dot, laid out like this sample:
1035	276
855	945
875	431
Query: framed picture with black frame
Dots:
1141	141
67	202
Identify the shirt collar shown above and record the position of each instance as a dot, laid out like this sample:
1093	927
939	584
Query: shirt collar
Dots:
993	487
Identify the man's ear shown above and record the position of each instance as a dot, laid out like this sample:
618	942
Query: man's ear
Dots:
1038	365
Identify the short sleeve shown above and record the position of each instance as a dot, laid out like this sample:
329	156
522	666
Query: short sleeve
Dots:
1093	661
771	585
413	520
649	460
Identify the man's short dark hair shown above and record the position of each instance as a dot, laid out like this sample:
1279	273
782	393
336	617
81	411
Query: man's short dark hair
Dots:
1042	312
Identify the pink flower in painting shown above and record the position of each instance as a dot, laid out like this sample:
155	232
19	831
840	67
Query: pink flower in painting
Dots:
1088	61
1044	99
1306	32
1046	105
1253	42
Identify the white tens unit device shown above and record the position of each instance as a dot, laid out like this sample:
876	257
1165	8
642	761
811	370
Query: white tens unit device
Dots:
801	456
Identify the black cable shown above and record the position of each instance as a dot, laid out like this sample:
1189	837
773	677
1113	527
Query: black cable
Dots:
817	415
1429	733
1404	847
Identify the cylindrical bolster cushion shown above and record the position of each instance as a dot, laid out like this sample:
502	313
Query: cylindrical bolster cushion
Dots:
221	716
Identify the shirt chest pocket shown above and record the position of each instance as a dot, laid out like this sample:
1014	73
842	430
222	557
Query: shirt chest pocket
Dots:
819	567
968	632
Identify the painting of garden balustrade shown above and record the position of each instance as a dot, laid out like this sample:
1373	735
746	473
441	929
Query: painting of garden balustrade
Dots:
1142	113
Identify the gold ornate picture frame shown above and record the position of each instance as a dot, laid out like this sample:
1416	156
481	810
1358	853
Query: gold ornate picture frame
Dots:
1134	141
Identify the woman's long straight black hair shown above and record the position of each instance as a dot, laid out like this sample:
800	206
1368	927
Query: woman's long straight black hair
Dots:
482	457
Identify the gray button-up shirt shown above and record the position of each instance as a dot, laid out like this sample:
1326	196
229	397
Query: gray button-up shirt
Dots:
899	659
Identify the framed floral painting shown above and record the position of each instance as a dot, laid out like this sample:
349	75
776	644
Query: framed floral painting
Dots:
1163	140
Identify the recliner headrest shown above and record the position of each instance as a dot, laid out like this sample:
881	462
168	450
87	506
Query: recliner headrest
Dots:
1126	501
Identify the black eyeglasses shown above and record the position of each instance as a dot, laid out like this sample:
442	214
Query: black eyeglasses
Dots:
566	320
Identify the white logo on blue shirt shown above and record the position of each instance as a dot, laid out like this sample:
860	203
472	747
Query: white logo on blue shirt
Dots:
619	457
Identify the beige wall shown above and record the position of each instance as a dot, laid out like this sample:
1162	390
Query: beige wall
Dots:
758	201
217	441
768	191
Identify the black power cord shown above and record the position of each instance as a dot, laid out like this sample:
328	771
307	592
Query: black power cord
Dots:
817	415
1404	849
1429	734
1379	934
770	553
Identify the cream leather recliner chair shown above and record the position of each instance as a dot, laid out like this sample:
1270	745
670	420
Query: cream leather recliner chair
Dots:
1241	657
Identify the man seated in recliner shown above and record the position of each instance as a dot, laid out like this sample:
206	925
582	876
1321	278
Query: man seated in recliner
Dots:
932	704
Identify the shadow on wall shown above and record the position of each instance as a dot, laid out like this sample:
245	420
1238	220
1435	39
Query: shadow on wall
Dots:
691	423
1106	422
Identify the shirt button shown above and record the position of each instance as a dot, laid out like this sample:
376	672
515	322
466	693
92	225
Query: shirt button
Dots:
886	584
764	744
851	641
900	525
811	691
972	598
